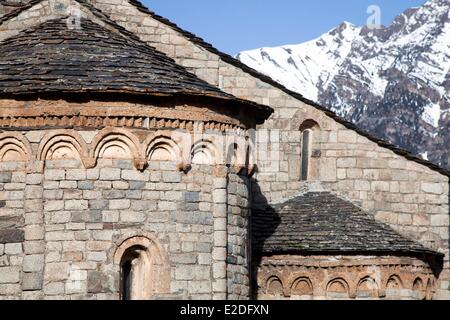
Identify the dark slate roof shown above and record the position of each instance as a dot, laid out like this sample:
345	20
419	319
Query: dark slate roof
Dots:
54	57
322	223
234	62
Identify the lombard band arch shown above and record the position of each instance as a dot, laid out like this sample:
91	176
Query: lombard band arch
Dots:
338	288
14	147
274	286
302	286
204	152
63	144
118	143
162	147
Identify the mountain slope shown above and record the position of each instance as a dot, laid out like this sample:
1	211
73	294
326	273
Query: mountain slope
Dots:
393	81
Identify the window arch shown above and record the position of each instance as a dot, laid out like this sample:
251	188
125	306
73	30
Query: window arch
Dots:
307	129
144	269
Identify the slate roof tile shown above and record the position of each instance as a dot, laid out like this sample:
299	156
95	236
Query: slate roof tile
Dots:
320	222
53	58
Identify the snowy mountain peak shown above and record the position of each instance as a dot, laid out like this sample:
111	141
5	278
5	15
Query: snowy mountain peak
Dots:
393	80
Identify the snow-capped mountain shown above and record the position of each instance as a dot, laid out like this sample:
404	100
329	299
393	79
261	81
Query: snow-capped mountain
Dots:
393	81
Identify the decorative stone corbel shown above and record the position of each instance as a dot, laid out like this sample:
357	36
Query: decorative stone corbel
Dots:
184	167
89	163
140	163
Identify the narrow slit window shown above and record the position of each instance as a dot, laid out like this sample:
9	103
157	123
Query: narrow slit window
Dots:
306	154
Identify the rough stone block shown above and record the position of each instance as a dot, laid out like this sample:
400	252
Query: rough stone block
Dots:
135	175
33	263
171	177
120	204
56	271
34	232
109	174
136	185
34	247
120	185
33	192
76	204
87	216
98	204
440	220
75	174
435	188
54	174
5	177
92	174
98	282
13	248
85	185
34	178
32	281
68	184
9	274
144	205
54	205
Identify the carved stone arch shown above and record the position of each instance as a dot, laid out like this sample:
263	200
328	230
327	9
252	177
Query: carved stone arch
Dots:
418	288
274	286
338	288
309	124
61	145
118	143
150	267
394	286
302	286
367	288
204	152
14	147
309	164
163	147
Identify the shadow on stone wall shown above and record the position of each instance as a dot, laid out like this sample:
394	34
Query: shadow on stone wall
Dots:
267	223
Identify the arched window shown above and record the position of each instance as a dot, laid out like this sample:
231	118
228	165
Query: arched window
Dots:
307	130
144	269
306	153
135	278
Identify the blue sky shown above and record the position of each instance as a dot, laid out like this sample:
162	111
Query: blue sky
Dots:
236	25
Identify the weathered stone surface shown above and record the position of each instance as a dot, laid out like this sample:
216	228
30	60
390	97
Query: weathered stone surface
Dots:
32	281
5	177
9	275
13	248
33	263
12	236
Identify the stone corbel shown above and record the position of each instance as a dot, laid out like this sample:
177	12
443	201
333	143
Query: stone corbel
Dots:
88	162
184	167
140	163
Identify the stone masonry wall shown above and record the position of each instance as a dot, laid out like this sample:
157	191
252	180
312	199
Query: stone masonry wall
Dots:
75	219
410	197
238	238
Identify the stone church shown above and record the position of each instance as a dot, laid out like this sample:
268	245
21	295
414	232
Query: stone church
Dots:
139	162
